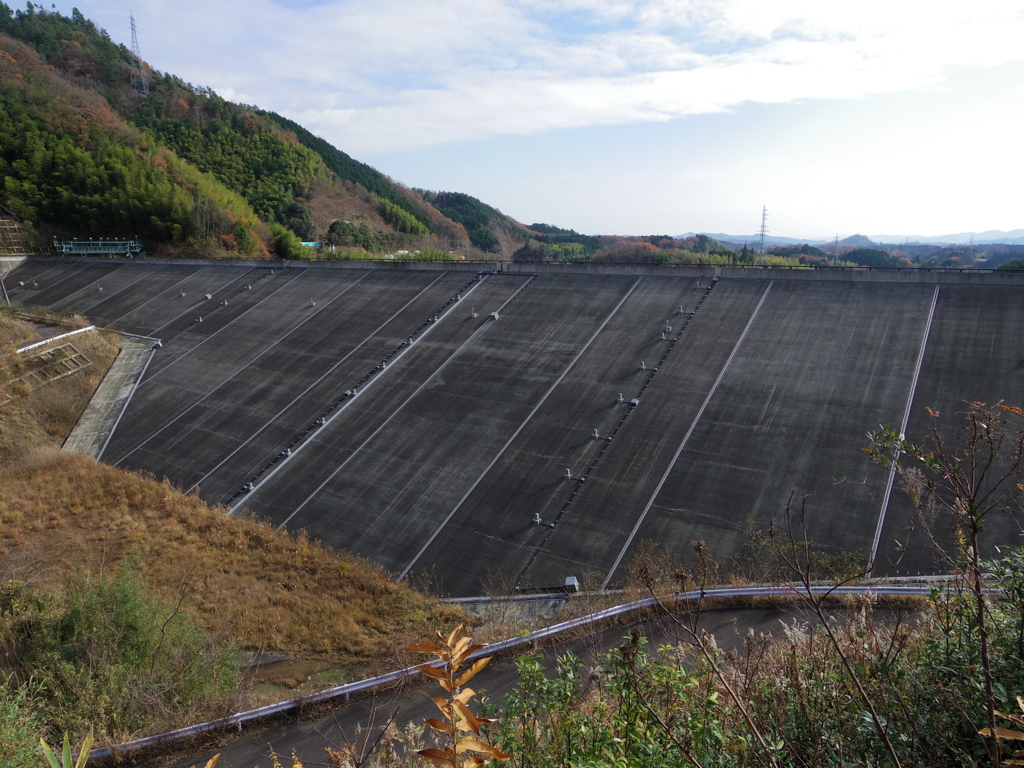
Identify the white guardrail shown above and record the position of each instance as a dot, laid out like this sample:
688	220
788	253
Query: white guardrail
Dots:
52	339
236	721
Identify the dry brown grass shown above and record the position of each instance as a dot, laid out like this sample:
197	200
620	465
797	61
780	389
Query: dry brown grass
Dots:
249	582
245	579
13	331
332	199
44	417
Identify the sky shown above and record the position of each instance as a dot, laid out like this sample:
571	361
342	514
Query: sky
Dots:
638	116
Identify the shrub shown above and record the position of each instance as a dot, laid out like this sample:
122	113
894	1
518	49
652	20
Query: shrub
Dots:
109	655
795	699
20	726
287	244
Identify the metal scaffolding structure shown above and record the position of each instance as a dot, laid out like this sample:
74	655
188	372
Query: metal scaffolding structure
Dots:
90	247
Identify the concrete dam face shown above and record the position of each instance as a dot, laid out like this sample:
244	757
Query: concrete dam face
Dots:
535	423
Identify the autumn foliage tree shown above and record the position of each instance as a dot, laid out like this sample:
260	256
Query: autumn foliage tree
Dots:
459	725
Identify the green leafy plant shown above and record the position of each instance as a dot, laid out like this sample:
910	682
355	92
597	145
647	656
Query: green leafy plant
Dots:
110	655
66	759
20	725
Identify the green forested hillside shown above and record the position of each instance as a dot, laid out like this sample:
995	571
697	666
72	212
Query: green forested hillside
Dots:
374	181
75	47
193	174
184	169
479	219
247	157
70	166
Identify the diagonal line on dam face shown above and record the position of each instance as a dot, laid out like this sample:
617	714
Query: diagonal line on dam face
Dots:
446	463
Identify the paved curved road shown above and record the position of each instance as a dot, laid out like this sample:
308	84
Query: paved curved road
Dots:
308	739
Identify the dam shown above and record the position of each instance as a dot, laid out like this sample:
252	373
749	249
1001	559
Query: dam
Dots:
525	423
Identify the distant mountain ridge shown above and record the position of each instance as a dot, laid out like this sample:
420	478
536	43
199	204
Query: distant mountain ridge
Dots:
962	238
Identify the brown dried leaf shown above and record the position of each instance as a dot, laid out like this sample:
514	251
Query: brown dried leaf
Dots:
1018	719
467	716
441	702
431	671
443	757
1003	733
468	651
460	646
473	762
453	635
441	725
424	648
437	674
471	672
467	743
441	678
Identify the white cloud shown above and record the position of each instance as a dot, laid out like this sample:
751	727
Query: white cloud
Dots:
662	60
388	75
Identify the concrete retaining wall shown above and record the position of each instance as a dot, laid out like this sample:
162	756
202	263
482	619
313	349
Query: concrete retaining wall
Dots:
97	424
8	263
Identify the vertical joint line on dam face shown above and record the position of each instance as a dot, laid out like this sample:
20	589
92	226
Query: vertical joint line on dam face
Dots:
903	431
515	434
686	437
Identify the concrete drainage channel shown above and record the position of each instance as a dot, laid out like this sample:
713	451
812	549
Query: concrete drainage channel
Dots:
343	693
97	423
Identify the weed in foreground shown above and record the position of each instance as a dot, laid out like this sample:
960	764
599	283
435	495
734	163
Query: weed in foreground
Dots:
66	760
453	652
